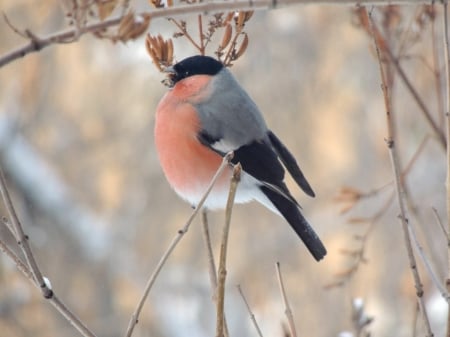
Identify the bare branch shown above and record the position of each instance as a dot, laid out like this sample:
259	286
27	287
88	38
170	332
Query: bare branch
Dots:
441	225
447	124
211	264
287	308
426	112
390	141
222	272
252	316
22	239
428	266
37	43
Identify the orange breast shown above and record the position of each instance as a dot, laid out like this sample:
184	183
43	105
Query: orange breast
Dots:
188	165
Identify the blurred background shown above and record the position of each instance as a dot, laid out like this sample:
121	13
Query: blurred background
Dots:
76	145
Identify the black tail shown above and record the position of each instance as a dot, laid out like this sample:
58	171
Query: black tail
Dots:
292	214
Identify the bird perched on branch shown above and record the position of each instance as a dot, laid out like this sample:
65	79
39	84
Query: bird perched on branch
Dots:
207	114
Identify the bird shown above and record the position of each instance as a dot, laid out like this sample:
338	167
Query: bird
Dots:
206	114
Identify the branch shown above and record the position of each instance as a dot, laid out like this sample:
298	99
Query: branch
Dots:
447	114
37	43
222	272
287	308
211	265
22	239
209	251
250	312
426	112
390	141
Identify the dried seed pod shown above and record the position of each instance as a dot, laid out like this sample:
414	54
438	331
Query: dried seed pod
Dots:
141	24
242	47
125	24
169	60
228	18
132	26
105	8
160	50
248	15
149	44
240	19
164	52
228	32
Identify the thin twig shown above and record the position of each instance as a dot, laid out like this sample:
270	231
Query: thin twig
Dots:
287	308
22	239
185	33
250	312
17	261
426	112
222	272
428	266
447	114
12	27
135	317
415	156
210	254
200	33
211	264
441	225
8	226
200	7
390	141
437	71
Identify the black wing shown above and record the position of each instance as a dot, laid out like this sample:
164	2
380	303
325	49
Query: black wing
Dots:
260	160
291	164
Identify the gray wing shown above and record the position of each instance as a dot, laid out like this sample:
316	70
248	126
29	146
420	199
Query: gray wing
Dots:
230	118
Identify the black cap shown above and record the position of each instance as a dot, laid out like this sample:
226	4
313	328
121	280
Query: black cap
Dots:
195	65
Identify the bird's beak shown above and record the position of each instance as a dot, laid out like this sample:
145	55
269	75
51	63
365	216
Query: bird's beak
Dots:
169	81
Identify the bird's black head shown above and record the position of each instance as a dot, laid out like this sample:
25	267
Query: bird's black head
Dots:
194	65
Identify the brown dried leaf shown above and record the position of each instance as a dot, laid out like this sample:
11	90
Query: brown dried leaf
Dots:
240	20
149	44
248	15
170	52
132	26
226	37
160	50
105	8
228	18
125	24
242	47
140	26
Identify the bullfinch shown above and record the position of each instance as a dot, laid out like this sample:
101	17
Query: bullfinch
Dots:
207	114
